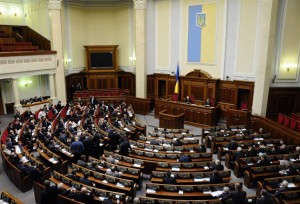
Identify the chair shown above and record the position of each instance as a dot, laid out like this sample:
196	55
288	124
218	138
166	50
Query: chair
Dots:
293	124
280	118
192	98
212	102
286	122
244	106
175	97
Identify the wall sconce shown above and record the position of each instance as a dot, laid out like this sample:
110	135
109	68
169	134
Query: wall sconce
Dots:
133	59
26	83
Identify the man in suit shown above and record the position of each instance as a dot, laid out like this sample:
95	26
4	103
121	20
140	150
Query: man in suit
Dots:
233	145
217	166
83	196
72	175
238	196
225	192
283	188
49	194
215	178
108	200
291	170
177	142
85	179
93	101
263	161
266	197
188	100
185	158
168	179
124	147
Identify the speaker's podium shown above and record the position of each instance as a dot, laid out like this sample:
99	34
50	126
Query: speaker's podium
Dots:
171	121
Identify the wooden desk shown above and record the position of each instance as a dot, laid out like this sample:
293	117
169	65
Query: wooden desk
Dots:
194	114
171	121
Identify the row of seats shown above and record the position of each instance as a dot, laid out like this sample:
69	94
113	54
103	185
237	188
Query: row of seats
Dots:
289	122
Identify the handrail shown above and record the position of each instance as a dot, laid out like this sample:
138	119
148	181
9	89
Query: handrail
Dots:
18	36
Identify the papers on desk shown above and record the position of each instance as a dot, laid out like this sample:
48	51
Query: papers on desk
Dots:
258	138
270	145
18	149
201	179
148	142
175	169
147	149
166	145
120	185
54	161
206	192
133	146
100	167
191	150
291	185
136	165
104	181
180	192
102	198
101	144
116	161
188	138
151	191
183	133
155	150
206	167
176	151
293	160
24	159
234	129
225	148
126	129
250	164
216	193
169	151
206	131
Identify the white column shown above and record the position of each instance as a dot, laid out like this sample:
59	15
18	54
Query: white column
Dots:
140	47
54	7
16	94
51	86
265	36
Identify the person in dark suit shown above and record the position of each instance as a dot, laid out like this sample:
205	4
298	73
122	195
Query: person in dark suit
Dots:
49	194
72	175
283	188
85	179
108	200
263	161
225	193
215	178
238	196
217	166
168	179
93	101
177	142
124	147
233	145
291	170
188	100
83	196
185	158
239	154
251	152
266	197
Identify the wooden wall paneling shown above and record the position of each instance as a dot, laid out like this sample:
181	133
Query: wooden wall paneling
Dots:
171	87
150	87
198	91
283	100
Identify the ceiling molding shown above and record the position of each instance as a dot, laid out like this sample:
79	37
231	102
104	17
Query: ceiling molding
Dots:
99	3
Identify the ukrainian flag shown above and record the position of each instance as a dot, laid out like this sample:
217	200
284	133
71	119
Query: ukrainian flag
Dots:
202	33
176	90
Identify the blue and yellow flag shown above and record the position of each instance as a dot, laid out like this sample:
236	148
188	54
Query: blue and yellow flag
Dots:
176	90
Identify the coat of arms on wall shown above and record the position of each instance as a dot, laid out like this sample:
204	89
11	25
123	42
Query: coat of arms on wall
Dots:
200	19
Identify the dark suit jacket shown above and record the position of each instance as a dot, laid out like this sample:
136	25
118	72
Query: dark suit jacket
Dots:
264	200
49	195
232	146
84	198
279	190
169	180
237	197
107	201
